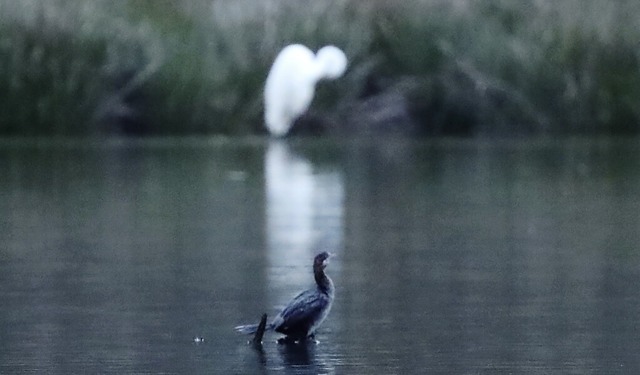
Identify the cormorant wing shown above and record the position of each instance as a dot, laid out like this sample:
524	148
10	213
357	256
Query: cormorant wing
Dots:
301	311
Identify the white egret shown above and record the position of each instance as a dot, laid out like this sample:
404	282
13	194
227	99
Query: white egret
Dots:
291	83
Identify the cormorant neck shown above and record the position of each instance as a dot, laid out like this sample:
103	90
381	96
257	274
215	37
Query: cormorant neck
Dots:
323	281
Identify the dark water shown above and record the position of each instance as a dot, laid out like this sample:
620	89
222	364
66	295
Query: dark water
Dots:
460	257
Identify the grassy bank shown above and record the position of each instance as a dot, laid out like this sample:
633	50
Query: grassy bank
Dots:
163	67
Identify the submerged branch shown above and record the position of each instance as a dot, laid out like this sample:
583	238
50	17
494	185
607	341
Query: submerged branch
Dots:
257	338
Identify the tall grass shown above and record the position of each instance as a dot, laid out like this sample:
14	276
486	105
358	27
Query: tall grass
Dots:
62	67
511	66
81	67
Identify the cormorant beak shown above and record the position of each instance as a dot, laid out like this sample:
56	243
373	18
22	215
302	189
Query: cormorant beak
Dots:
326	261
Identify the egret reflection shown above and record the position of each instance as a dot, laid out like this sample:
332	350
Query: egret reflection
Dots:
304	215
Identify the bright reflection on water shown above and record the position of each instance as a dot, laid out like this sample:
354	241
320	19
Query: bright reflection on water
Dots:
453	256
304	213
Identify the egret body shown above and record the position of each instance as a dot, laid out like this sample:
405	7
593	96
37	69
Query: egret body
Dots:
291	83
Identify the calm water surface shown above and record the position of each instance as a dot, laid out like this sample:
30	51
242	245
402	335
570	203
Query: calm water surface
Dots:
457	257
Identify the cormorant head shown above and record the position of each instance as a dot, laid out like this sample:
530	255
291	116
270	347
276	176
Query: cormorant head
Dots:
321	260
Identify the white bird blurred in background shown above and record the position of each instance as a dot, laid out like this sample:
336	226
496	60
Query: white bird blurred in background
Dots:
291	83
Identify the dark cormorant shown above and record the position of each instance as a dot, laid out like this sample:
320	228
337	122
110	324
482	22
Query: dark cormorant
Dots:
302	316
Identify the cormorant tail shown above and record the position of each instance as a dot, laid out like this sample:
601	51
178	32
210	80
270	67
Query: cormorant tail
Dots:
251	328
247	329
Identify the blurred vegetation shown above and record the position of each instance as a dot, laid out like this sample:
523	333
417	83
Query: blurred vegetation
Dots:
170	67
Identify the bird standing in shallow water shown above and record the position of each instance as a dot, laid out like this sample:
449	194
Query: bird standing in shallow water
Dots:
299	320
291	83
